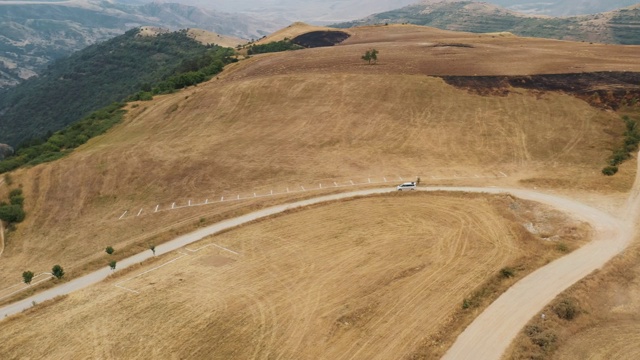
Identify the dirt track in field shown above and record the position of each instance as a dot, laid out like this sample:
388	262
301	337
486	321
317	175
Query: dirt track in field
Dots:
329	282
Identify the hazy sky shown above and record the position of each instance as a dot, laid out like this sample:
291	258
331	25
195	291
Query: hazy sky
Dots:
340	10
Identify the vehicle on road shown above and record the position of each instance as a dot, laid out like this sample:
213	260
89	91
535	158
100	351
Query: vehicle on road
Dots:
406	186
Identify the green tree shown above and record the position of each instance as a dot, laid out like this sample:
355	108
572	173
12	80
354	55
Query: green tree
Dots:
374	56
57	271
371	56
12	213
109	250
153	249
27	276
112	265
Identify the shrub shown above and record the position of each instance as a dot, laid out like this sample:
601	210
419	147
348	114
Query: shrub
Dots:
562	247
12	213
544	340
466	303
109	250
17	200
610	170
15	192
57	271
27	276
566	309
112	265
507	272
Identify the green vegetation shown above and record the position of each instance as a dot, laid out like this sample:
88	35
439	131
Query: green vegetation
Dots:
196	64
62	142
507	272
13	212
109	250
630	144
276	46
27	276
112	265
153	249
57	271
370	56
102	74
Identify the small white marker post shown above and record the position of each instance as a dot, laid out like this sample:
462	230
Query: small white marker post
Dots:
369	180
320	186
173	206
503	174
385	179
189	202
400	178
238	196
139	212
254	195
157	206
125	213
335	184
303	189
222	198
271	191
206	201
287	189
352	183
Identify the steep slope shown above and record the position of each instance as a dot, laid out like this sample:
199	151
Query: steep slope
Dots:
92	78
33	35
617	27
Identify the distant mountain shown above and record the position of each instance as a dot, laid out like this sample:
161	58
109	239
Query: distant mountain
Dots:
563	7
32	35
313	11
615	27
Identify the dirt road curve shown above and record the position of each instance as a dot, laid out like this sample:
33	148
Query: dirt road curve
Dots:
491	333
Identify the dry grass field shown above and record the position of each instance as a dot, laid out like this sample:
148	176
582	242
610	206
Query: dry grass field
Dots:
607	321
302	118
308	116
329	282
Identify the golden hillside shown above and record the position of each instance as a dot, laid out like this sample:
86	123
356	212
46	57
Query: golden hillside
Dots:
304	117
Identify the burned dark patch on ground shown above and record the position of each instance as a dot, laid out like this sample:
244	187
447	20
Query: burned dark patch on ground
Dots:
607	90
320	38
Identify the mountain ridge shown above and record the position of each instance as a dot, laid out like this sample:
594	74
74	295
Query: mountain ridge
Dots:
31	36
614	27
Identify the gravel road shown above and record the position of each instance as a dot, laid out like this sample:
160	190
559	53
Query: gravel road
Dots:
491	333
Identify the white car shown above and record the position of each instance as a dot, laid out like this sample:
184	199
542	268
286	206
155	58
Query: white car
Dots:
407	186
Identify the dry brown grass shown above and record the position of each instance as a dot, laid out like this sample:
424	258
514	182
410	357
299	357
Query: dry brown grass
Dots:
327	282
309	116
208	37
608	321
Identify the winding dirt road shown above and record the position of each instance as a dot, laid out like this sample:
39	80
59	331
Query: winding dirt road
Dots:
491	333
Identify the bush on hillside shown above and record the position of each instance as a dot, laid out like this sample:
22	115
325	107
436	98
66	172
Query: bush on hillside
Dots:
610	170
276	46
12	213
